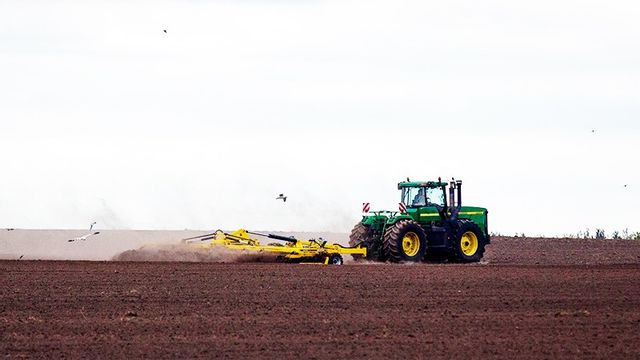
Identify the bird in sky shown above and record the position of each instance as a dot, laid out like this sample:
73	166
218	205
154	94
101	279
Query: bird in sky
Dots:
282	197
165	31
84	237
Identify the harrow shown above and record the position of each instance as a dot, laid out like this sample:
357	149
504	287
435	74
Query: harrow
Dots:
292	251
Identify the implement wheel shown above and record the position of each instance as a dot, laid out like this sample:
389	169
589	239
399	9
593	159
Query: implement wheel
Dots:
361	235
468	245
405	241
336	259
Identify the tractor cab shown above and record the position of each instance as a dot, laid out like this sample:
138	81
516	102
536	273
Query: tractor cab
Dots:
416	195
426	201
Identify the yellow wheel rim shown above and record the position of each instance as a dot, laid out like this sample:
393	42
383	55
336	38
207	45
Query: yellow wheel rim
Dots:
411	243
469	243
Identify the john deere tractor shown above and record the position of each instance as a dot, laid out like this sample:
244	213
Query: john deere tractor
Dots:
425	226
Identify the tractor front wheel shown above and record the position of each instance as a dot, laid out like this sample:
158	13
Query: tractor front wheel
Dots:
405	241
468	245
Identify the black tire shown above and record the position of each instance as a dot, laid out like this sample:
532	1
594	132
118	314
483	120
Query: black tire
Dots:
361	235
463	247
396	234
336	259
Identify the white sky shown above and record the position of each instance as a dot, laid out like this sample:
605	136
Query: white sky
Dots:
105	117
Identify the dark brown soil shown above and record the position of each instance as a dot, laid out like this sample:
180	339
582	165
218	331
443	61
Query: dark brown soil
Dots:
561	251
508	307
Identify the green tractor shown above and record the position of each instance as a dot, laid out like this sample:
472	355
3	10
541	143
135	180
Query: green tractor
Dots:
425	226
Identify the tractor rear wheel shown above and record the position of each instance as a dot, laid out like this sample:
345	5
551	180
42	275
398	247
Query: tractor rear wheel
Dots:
362	235
469	242
405	241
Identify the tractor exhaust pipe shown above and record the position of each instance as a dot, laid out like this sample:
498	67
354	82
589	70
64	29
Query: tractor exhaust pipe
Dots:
452	196
455	205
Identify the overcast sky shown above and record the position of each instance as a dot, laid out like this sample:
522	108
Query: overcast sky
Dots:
105	117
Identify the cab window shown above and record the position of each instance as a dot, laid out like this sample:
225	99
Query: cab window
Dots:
435	196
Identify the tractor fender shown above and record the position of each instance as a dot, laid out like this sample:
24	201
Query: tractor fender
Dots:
370	220
395	219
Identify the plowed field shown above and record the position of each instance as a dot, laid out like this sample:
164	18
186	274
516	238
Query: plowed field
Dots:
578	300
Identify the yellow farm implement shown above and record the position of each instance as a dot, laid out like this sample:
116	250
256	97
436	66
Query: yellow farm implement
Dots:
292	251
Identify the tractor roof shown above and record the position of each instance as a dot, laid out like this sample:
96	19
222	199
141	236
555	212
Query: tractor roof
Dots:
431	184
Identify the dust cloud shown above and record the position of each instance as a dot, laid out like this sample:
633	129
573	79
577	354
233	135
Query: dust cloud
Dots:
187	253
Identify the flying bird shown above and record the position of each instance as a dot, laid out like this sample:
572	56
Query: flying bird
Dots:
21	256
84	237
282	197
165	31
